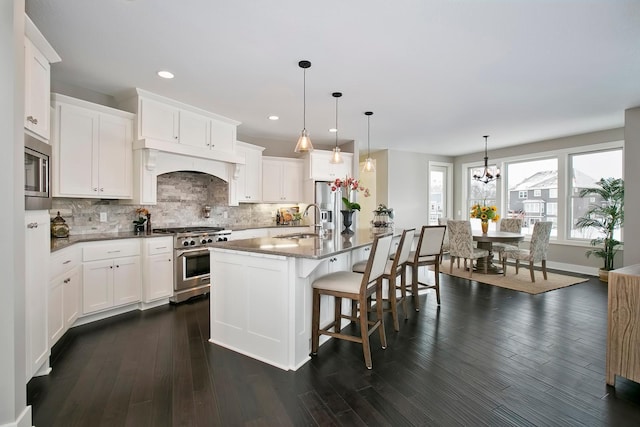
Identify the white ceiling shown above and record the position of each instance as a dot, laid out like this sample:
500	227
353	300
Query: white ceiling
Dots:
437	74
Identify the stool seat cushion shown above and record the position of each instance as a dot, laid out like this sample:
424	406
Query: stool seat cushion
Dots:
359	267
340	281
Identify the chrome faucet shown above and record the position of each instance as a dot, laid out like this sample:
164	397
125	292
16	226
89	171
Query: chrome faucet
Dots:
319	225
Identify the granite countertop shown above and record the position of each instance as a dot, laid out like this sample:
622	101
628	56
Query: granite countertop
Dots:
58	243
313	247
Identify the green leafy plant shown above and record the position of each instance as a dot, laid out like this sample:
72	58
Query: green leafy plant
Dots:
605	217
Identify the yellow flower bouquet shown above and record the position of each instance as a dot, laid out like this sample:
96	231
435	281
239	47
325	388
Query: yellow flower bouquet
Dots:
485	213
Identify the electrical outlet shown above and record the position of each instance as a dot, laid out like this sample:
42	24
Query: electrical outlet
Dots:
103	217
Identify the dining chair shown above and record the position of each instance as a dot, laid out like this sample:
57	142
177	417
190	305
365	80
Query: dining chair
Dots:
358	287
445	242
537	251
512	225
428	252
395	267
461	241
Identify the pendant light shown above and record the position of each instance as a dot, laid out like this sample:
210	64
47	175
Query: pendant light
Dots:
304	142
487	175
336	157
369	166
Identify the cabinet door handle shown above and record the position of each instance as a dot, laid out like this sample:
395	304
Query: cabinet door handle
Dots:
95	189
175	137
113	252
117	266
102	189
161	247
67	261
32	225
111	266
66	280
32	120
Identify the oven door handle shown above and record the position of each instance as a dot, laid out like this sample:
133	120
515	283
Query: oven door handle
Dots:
190	251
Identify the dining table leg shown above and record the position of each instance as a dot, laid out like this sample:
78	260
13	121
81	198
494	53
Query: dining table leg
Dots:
480	262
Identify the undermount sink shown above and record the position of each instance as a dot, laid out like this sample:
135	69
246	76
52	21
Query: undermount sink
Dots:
297	236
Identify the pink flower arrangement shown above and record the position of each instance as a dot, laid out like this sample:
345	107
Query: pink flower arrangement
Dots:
349	184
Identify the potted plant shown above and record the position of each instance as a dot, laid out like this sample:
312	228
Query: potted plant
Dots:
605	216
347	187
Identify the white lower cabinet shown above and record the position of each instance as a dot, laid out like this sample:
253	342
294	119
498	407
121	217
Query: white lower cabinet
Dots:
157	269
111	275
64	291
37	244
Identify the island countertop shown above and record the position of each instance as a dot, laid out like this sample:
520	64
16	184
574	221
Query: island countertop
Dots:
310	247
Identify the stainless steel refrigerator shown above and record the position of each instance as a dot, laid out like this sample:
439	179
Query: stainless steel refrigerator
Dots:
325	199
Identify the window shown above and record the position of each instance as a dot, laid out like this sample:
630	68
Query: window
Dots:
558	175
585	170
482	193
522	175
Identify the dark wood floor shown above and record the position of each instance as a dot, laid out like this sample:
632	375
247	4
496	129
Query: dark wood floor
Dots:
487	356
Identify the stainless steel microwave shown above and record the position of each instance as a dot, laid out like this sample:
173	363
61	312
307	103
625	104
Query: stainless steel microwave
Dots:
37	174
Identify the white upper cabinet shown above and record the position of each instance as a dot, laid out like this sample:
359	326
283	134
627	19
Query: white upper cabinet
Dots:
157	120
281	180
38	55
249	181
318	167
92	150
195	131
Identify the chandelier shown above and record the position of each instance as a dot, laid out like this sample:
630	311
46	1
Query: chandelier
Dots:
487	175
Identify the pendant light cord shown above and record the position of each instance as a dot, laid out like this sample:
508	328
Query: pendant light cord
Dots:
304	98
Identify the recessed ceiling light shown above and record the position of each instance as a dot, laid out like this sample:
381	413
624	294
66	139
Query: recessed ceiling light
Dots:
274	118
165	74
333	130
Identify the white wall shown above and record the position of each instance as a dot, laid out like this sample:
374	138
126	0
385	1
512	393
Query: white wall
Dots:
13	408
631	180
408	184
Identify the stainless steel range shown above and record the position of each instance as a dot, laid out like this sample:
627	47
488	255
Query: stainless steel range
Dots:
191	268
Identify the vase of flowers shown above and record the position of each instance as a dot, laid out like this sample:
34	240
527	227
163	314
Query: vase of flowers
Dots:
143	217
485	214
347	188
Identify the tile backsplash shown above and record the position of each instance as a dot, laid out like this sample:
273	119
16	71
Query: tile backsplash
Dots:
182	197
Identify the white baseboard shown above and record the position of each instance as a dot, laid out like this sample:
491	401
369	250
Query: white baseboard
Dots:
23	420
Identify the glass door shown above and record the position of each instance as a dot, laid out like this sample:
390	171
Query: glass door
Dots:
439	191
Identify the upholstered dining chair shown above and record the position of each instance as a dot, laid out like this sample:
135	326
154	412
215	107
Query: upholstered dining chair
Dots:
512	225
395	267
428	252
445	242
537	251
461	241
358	287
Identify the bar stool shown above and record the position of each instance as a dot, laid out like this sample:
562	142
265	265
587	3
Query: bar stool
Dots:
395	267
428	252
357	287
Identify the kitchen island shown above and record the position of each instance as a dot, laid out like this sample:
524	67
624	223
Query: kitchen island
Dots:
261	295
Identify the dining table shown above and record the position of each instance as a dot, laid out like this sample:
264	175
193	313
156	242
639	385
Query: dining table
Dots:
486	240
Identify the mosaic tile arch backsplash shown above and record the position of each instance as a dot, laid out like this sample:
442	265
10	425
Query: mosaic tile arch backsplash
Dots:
181	200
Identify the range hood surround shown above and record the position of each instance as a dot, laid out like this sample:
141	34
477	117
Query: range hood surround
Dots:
152	158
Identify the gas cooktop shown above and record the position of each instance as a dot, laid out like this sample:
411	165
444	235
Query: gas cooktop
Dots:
189	229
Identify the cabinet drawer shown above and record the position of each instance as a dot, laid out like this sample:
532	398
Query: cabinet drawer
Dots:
116	249
160	245
64	260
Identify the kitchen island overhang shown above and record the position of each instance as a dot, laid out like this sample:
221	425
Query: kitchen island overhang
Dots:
261	295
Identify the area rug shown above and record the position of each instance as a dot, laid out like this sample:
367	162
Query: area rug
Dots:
520	282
